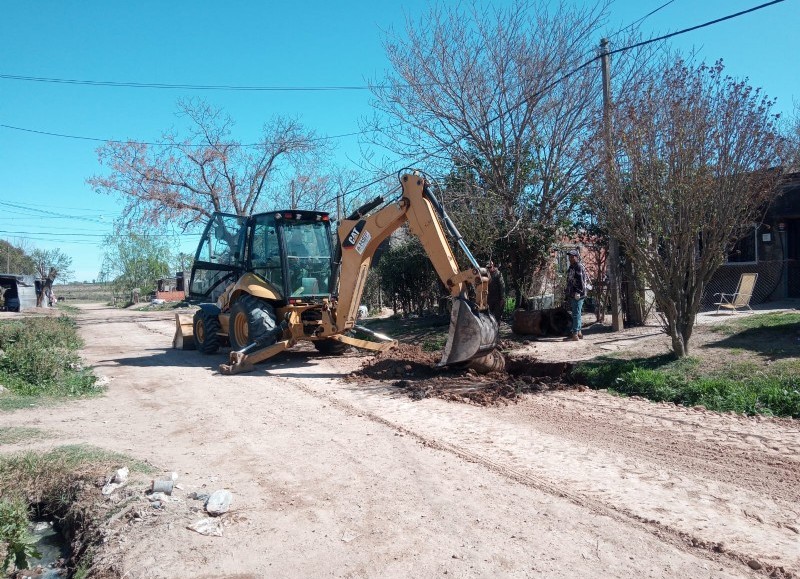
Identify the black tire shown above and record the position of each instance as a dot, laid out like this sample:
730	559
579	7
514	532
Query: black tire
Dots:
330	347
206	332
250	319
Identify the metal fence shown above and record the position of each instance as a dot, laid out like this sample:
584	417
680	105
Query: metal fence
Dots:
726	280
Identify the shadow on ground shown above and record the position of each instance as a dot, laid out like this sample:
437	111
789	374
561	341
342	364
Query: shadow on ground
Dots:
780	341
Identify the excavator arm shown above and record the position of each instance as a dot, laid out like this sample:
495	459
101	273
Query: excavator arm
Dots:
473	331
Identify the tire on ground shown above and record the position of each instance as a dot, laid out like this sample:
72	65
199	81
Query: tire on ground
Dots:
250	319
206	331
330	347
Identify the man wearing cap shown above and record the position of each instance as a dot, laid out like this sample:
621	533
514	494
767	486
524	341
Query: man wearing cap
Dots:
575	293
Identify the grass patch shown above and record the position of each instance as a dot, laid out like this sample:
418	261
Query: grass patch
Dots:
754	369
49	484
775	335
47	477
39	359
744	388
781	321
68	309
14	434
166	306
434	344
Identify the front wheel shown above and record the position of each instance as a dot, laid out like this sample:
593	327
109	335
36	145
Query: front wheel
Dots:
206	331
250	319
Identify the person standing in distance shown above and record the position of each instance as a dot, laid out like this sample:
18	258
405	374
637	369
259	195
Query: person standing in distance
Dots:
497	291
575	293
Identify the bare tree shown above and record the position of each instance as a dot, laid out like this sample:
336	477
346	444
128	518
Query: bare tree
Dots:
694	165
503	95
793	138
189	178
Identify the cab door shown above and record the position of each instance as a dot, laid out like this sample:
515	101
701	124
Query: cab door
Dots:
220	257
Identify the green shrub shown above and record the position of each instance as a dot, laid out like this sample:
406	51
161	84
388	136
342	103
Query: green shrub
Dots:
39	357
15	538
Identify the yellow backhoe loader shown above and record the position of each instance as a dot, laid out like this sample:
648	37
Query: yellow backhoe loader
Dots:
277	280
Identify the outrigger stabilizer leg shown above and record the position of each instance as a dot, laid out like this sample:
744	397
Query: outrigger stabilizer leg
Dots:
241	361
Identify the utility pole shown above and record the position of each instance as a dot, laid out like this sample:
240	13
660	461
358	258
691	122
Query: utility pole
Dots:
613	242
292	191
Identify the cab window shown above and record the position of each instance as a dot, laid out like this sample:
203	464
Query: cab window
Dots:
265	254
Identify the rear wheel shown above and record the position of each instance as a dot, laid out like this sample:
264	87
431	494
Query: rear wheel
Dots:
250	319
206	331
330	347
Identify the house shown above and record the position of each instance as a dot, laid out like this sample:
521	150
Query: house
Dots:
19	291
771	249
171	289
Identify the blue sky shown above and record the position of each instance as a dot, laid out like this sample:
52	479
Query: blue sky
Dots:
43	196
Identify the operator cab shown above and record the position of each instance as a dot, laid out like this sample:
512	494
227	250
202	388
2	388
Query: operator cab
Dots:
292	250
289	250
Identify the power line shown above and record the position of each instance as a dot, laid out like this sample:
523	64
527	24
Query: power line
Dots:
685	30
642	19
104	235
163	144
50	206
206	87
40	212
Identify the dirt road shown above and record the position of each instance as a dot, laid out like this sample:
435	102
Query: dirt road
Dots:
335	479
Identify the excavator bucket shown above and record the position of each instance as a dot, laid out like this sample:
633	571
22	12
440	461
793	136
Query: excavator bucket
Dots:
472	334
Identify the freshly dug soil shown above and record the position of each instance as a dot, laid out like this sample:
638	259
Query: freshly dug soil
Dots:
411	369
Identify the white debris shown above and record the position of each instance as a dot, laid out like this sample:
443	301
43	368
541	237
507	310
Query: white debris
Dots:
210	527
121	475
116	480
110	487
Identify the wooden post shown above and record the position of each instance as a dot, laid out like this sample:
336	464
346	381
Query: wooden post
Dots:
613	242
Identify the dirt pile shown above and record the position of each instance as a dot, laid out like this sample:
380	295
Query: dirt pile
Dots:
414	371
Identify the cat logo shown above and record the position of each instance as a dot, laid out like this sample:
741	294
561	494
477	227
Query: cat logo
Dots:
352	237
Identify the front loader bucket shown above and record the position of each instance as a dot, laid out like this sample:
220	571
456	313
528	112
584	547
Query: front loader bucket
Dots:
184	333
472	334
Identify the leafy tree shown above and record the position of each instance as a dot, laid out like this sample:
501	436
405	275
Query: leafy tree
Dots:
50	264
204	171
407	275
134	260
693	167
47	260
15	258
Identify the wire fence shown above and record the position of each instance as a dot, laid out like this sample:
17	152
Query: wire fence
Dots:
726	280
